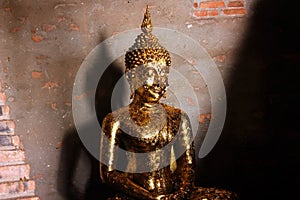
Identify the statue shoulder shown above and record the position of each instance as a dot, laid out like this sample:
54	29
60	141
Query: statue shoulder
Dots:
176	112
171	109
114	117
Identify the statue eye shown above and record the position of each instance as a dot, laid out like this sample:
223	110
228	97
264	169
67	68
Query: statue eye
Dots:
149	72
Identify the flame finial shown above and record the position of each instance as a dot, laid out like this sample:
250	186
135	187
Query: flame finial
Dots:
147	24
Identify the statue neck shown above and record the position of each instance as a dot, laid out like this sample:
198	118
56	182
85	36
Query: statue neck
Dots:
139	103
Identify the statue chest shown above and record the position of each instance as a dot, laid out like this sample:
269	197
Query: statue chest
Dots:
146	140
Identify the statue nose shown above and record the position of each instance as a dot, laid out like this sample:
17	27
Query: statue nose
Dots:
160	82
152	78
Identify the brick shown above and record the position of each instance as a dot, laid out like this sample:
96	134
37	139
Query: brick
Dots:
74	27
213	13
15	29
196	5
205	13
7	127
219	58
240	11
10	190
2	98
212	4
204	117
5	140
36	74
37	38
48	27
29	198
14	172
8	142
200	13
4	112
41	57
5	69
12	157
7	9
15	140
236	4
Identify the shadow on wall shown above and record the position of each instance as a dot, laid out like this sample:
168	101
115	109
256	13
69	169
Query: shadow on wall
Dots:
257	155
73	151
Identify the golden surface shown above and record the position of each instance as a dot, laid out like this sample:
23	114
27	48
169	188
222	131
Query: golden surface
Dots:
146	125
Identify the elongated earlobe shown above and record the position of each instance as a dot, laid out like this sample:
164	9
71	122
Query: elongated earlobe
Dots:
132	88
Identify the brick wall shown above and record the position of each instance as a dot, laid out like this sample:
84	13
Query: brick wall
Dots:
14	172
218	8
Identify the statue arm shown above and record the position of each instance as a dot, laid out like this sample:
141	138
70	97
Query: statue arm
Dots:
108	153
186	162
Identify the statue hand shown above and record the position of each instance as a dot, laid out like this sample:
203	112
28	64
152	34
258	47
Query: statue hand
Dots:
173	196
178	195
162	197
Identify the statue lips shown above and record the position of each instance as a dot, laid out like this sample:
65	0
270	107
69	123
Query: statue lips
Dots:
156	91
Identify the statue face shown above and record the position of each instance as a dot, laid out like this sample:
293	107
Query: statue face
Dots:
151	80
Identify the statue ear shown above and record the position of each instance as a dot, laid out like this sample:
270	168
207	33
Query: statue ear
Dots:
132	88
130	74
131	84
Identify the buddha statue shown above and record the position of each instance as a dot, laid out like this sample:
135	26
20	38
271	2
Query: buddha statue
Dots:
146	126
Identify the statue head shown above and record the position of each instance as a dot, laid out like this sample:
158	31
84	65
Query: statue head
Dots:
147	64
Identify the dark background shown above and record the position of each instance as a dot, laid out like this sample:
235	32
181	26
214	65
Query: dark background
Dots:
260	142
